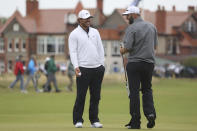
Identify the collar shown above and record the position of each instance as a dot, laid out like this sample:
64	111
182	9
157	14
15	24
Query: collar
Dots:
138	19
83	29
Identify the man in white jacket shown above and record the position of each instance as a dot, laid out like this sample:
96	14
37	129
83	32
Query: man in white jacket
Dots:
87	57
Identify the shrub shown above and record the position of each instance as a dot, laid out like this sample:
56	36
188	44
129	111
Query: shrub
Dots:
191	62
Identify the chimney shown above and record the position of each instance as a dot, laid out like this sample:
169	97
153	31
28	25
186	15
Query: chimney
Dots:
100	5
173	8
191	9
163	8
161	20
78	8
31	5
159	7
101	16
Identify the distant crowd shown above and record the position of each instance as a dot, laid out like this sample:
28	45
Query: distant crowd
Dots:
33	74
175	70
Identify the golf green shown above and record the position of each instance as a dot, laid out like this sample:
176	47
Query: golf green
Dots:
175	102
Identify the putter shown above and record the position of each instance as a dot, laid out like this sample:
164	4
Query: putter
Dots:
125	74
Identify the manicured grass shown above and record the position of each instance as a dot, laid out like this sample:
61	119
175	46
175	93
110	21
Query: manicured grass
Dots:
175	102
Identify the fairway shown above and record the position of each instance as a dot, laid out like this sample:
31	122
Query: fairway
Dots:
175	102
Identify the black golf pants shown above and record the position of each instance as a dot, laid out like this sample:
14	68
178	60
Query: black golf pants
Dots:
92	78
140	75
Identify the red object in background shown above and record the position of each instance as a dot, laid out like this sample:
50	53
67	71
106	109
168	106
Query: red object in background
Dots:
18	68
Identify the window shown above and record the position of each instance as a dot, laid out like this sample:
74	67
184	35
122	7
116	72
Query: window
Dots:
23	45
16	27
9	65
2	67
172	47
9	45
16	43
61	45
1	46
105	46
40	49
115	48
50	44
24	63
190	26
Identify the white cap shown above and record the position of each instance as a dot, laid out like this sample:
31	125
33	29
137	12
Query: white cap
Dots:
47	59
84	14
132	10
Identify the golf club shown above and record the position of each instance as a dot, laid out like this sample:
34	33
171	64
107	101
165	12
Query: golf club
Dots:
125	73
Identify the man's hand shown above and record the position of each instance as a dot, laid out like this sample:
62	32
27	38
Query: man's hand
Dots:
77	72
123	50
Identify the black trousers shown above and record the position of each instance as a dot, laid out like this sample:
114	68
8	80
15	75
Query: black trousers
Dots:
92	78
140	74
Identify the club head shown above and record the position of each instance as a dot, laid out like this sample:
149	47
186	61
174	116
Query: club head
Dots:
128	91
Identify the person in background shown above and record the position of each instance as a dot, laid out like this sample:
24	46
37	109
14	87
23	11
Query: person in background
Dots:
51	70
44	70
140	42
70	74
19	72
87	57
31	69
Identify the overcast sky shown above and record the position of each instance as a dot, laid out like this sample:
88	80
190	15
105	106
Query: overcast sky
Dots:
7	7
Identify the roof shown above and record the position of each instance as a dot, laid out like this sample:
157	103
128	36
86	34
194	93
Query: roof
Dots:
42	21
120	11
16	15
52	20
109	34
45	21
49	21
174	19
28	24
188	41
149	16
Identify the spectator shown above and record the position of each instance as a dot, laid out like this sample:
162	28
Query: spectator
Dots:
19	72
70	74
31	69
51	70
46	74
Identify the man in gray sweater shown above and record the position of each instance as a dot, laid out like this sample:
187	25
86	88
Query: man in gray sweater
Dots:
140	42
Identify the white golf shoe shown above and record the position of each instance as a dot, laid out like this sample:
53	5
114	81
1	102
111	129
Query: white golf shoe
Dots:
97	125
24	91
79	125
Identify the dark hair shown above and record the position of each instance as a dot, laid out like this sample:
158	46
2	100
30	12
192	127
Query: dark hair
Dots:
52	56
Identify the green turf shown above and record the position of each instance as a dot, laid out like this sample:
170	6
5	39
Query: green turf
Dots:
175	102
